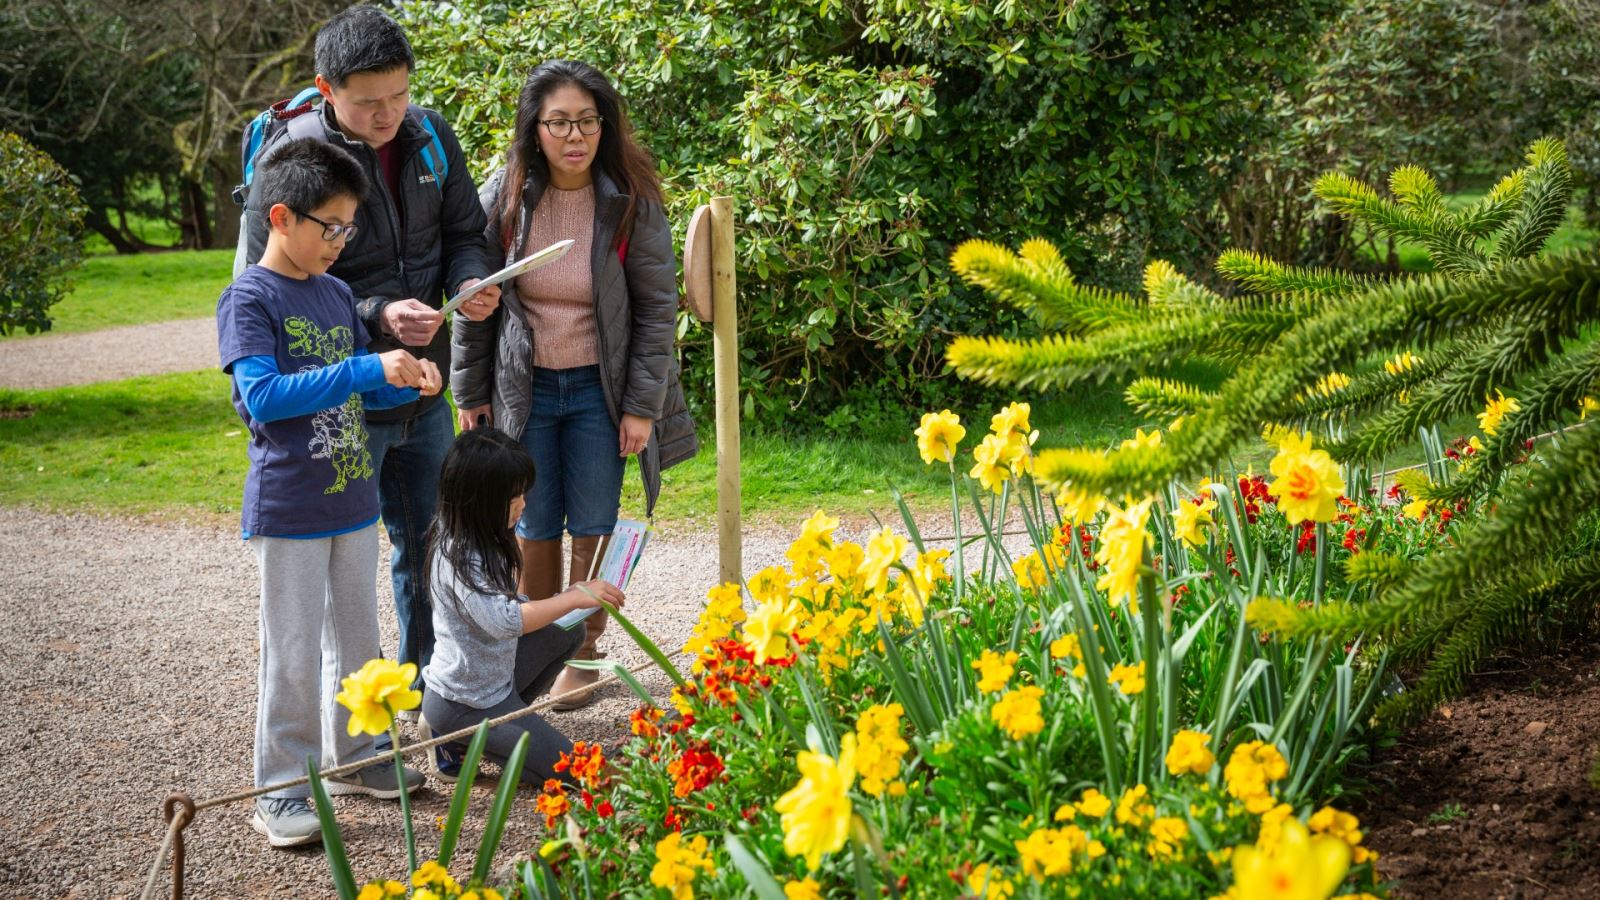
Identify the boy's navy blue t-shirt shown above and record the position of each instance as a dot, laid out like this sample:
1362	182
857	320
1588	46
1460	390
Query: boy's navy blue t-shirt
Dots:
308	474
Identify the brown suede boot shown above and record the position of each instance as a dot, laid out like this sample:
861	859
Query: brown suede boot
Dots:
585	550
540	577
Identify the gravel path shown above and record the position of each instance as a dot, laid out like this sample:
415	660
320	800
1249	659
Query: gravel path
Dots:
129	660
108	355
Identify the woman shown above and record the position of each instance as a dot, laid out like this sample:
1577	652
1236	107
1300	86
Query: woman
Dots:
578	362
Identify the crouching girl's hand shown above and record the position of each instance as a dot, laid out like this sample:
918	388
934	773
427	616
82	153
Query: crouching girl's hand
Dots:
588	594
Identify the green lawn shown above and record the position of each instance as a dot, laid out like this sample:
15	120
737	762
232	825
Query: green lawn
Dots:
147	287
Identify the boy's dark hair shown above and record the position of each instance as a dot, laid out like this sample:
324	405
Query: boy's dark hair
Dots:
304	174
482	471
361	39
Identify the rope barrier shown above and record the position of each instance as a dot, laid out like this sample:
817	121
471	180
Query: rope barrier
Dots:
180	810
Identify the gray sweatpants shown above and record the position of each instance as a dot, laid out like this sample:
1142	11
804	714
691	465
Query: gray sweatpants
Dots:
319	623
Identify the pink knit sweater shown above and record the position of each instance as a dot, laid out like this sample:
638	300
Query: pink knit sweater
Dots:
559	298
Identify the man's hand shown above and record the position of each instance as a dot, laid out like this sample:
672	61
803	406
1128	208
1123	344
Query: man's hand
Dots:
482	304
468	418
430	382
411	322
403	370
633	434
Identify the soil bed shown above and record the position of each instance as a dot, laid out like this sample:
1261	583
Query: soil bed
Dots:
1491	795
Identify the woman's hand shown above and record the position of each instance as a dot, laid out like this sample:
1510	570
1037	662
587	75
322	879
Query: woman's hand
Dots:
588	594
468	417
633	434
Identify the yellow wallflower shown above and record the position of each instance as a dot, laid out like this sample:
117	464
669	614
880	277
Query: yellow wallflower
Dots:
1495	412
1030	572
1251	769
816	812
988	883
1416	509
1134	807
804	889
676	863
1048	852
994	670
844	560
1302	867
1093	804
1307	482
1343	826
929	573
769	584
381	890
1019	712
1190	520
827	634
1078	506
374	694
1128	679
767	633
1122	544
431	873
1166	833
724	609
1189	754
883	550
879	746
938	436
993	468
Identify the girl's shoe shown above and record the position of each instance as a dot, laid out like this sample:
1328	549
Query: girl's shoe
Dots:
444	760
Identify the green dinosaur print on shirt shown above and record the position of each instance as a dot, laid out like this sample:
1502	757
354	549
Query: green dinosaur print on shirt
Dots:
338	433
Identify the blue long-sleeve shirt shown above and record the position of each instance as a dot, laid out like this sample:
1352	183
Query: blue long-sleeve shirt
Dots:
270	395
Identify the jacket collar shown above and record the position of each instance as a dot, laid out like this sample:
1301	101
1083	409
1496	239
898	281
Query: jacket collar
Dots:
606	192
411	130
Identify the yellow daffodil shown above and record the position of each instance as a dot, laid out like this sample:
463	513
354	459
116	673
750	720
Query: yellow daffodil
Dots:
677	862
1189	753
994	670
1013	419
1301	868
1307	482
769	584
938	436
816	812
1122	544
1019	712
992	469
884	550
1495	411
1191	519
767	632
1078	506
374	694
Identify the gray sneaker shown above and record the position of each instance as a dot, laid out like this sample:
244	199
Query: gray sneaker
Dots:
286	821
376	780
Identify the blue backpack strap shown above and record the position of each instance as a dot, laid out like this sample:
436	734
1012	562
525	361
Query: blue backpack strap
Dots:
435	160
260	127
305	96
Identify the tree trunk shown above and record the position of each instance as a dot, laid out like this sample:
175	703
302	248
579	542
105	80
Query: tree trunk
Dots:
97	219
196	217
226	234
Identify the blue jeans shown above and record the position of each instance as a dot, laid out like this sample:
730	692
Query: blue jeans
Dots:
578	467
407	457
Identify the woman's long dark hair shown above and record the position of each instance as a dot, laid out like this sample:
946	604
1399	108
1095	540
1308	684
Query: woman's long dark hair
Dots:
482	471
620	156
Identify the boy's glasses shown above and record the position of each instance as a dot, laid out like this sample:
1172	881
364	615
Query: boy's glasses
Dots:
330	231
560	128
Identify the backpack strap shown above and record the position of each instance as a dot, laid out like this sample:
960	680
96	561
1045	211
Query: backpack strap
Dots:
433	155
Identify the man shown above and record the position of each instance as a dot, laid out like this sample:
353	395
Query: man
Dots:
419	236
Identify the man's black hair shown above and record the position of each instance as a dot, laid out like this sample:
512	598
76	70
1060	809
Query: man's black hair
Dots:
307	173
361	39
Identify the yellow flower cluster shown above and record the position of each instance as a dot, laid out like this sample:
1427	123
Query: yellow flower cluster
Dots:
1078	506
1033	571
1495	411
724	610
994	670
1019	713
1048	852
1251	770
1416	509
1345	827
988	883
1134	807
1090	803
938	436
1307	483
432	882
677	862
809	552
1189	753
381	890
828	633
1166	833
804	889
816	812
376	692
1007	451
1190	520
1122	544
1128	679
879	747
1067	646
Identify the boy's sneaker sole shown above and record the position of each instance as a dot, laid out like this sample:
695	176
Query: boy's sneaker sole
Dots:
337	788
279	840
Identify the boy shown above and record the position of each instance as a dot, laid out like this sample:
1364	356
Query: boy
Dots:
291	339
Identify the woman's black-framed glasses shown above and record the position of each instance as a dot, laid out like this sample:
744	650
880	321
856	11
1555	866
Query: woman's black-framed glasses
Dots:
330	231
560	128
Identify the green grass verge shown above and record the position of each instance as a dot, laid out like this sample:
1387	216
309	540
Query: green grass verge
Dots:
172	445
148	287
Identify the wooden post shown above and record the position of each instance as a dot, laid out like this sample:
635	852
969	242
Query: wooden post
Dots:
725	351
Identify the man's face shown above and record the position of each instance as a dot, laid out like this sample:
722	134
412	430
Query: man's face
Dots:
371	105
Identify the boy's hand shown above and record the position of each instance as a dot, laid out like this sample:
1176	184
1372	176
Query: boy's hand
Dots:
431	382
588	594
402	370
411	322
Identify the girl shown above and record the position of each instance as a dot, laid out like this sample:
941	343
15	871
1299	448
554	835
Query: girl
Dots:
495	651
578	362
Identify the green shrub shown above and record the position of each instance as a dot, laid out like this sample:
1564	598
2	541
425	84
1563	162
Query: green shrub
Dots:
862	140
40	241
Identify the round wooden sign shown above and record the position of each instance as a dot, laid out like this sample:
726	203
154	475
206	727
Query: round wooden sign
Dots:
697	264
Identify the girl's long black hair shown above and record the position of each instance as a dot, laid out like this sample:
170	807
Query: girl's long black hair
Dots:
483	470
621	156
